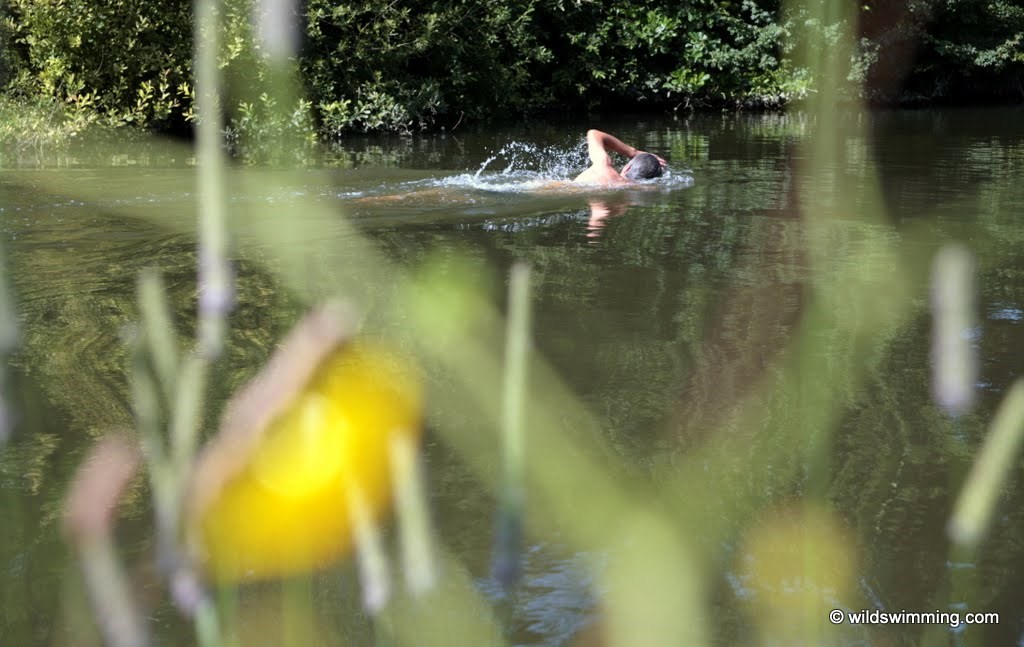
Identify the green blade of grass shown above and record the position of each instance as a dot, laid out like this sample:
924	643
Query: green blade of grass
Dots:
972	513
508	530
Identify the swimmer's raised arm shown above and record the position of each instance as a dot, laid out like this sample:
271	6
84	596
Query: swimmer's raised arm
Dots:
599	144
601	171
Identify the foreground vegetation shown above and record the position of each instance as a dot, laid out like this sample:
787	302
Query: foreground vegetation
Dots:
744	478
414	64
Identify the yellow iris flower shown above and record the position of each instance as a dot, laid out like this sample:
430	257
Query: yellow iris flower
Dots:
284	507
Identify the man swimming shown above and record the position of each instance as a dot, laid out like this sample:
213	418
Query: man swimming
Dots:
641	165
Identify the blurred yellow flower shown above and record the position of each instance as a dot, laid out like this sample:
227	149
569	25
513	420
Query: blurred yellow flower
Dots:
274	501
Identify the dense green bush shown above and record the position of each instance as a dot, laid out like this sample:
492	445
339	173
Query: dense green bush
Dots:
400	65
403	65
128	59
927	50
973	47
9	60
412	64
704	52
116	62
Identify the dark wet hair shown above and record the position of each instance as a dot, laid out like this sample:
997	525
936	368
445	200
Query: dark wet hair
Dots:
643	167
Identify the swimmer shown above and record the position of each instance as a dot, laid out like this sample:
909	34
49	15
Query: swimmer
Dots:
641	165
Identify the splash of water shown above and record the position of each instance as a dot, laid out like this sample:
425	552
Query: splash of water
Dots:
480	170
529	167
526	167
551	162
521	167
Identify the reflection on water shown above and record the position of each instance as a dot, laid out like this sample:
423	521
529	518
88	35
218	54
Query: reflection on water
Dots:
662	308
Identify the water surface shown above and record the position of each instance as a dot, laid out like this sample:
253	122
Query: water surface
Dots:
662	307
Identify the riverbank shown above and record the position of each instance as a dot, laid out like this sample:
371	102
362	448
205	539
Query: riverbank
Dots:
405	67
42	131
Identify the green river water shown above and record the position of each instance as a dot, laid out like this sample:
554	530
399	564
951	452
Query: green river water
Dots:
658	307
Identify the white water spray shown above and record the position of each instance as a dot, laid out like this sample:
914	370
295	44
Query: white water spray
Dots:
522	167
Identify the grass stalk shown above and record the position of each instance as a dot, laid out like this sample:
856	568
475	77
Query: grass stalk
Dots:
972	513
159	330
374	571
162	477
511	498
207	626
954	360
419	555
89	516
120	622
8	342
187	414
215	288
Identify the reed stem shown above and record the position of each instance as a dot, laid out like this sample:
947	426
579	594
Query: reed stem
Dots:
419	555
972	513
374	572
509	527
215	290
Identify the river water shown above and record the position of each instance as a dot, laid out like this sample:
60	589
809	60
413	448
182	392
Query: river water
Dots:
663	308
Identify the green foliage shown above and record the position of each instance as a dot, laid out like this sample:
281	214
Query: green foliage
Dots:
416	64
403	65
707	52
125	59
993	50
949	49
129	62
407	65
31	127
262	132
10	57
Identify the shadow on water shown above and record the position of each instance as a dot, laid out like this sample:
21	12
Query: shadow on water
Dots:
663	308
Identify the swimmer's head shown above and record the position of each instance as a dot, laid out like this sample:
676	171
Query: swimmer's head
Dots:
642	167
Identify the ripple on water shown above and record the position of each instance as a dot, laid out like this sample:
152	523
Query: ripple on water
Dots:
1006	313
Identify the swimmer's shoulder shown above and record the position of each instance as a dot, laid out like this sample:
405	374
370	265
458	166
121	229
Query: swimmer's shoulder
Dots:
601	176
